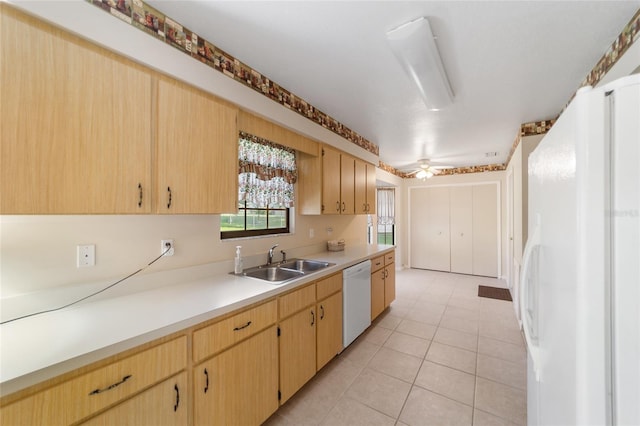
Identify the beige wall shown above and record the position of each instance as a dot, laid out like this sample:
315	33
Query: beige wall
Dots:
39	252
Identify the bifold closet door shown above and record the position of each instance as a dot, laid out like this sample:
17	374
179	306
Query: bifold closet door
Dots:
429	227
485	230
461	213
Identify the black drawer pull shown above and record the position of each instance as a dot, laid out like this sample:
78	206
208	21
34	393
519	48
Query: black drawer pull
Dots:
139	195
206	383
242	326
97	391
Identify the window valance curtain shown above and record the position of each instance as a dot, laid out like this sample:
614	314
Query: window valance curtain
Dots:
386	206
266	174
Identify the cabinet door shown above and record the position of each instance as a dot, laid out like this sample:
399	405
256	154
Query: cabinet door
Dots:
347	185
166	403
197	151
377	293
329	340
330	181
371	189
461	229
76	124
485	230
240	385
297	351
389	284
360	187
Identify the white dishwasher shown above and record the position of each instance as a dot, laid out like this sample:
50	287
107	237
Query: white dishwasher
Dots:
356	301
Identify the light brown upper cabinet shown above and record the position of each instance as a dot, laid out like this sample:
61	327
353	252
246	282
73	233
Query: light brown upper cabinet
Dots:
365	188
197	151
76	124
338	182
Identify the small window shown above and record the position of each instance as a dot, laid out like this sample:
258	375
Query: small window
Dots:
386	216
266	175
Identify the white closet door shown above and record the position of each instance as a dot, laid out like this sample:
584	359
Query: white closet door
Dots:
485	230
430	246
418	204
461	229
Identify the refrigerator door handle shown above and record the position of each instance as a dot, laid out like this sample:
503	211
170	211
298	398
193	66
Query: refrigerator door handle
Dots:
533	244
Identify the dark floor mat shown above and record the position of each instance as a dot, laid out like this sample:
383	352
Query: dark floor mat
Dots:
494	293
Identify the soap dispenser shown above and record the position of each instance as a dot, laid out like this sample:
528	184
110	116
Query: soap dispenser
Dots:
238	261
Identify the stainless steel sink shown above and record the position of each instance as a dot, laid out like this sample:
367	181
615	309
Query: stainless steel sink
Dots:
286	271
305	265
272	274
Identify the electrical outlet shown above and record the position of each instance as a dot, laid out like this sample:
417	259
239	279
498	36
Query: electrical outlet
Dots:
86	255
165	244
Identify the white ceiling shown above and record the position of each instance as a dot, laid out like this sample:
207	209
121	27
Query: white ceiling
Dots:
509	62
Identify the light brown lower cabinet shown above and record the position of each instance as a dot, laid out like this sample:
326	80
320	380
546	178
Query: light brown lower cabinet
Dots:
297	351
329	338
240	385
165	404
377	293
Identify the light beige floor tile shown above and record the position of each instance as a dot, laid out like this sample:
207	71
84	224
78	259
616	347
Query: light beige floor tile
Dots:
456	338
396	364
360	352
435	297
460	324
338	375
502	371
463	313
446	381
480	418
279	420
349	412
417	329
457	358
502	350
407	344
497	331
377	335
471	303
387	320
427	408
501	400
427	317
377	390
309	405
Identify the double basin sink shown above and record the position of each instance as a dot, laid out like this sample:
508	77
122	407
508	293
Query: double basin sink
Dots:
285	271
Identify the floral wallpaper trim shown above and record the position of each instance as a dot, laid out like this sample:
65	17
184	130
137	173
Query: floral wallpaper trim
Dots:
629	35
155	23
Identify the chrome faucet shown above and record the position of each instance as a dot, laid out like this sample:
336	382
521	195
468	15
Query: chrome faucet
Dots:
270	258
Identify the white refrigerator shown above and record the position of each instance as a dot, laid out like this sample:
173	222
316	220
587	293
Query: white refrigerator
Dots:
580	281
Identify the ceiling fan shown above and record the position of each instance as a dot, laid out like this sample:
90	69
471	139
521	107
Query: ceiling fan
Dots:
423	169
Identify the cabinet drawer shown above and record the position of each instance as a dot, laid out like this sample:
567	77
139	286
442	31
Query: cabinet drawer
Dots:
327	286
389	258
216	337
82	396
165	404
296	300
377	263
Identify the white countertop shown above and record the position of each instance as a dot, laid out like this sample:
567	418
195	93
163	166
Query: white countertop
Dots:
43	346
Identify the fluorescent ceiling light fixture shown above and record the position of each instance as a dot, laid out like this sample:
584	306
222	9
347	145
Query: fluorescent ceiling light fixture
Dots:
415	47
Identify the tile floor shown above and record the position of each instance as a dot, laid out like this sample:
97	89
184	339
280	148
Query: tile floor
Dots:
439	355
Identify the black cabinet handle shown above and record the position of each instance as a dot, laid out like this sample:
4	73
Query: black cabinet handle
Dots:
115	385
337	206
175	407
321	312
169	202
344	206
206	383
313	317
242	326
139	195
